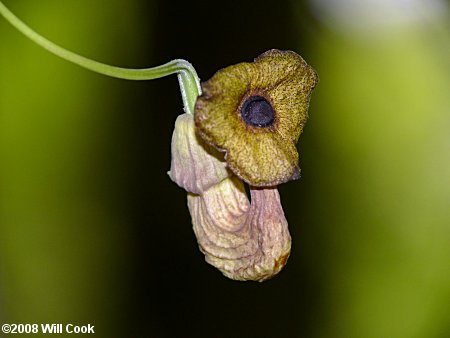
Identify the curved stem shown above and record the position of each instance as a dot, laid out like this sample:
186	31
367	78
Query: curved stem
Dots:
187	76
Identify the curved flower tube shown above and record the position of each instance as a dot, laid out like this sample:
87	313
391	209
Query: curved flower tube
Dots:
244	241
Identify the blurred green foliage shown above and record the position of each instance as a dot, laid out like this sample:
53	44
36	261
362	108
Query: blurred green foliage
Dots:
62	237
378	148
92	230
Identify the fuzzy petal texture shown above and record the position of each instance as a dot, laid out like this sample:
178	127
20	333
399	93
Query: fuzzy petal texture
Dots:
261	156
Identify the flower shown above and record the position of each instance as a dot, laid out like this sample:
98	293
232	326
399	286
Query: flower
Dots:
255	112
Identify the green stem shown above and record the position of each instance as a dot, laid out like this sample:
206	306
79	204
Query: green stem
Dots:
187	76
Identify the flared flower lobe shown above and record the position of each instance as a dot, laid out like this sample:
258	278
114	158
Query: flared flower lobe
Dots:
255	112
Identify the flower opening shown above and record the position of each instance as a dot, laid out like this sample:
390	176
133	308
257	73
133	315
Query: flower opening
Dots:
255	112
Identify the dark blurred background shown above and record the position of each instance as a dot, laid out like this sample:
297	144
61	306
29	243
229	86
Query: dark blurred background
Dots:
92	230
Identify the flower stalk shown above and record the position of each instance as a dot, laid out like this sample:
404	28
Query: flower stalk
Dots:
187	76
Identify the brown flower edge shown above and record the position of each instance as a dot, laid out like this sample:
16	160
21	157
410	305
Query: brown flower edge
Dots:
255	112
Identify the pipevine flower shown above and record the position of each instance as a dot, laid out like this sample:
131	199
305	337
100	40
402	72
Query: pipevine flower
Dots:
254	112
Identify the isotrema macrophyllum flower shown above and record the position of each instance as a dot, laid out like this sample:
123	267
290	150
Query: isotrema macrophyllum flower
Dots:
244	129
255	112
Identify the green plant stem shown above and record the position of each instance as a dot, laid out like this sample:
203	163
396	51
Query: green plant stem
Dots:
187	76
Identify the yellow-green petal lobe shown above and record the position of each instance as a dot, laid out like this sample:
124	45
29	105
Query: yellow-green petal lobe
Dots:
255	112
279	167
